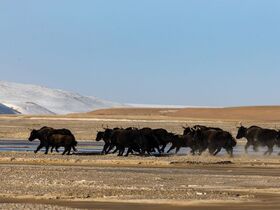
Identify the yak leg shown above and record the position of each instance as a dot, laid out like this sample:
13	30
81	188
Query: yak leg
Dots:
247	146
269	150
212	150
255	147
142	151
47	149
158	149
177	149
115	150
104	148
56	149
69	150
200	150
65	150
163	147
39	147
192	151
74	148
146	150
171	148
230	151
152	150
129	150
110	148
121	151
217	151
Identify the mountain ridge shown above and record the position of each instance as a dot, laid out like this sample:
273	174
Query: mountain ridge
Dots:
18	98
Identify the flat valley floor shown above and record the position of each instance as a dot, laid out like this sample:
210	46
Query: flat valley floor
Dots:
88	180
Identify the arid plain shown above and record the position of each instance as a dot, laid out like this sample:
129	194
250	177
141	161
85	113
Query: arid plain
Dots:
92	181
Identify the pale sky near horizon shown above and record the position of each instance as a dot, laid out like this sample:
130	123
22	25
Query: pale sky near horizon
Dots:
184	52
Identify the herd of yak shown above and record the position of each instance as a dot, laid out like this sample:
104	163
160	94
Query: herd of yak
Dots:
143	141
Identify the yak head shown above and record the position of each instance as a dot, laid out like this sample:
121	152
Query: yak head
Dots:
241	132
186	130
100	135
196	134
33	135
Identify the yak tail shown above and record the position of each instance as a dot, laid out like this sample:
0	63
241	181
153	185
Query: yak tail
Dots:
233	141
74	148
75	142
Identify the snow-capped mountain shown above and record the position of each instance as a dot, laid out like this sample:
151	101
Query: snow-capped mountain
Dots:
34	99
7	110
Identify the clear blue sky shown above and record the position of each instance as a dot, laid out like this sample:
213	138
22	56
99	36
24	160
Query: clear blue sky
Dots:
189	52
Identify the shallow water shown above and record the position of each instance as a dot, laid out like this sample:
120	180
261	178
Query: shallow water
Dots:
95	147
25	146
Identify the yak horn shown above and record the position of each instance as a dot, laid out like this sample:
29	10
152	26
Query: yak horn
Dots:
239	124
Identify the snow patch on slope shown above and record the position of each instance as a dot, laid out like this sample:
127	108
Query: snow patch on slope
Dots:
29	107
34	99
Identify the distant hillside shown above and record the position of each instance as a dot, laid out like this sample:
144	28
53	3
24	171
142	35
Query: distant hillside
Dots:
34	99
257	113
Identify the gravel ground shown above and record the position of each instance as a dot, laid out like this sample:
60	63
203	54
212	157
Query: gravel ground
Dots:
168	179
17	206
